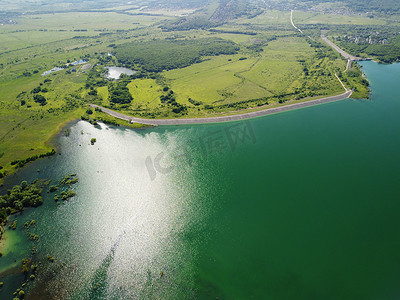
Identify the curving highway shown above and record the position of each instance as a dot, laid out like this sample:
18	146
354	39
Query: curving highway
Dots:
340	50
350	58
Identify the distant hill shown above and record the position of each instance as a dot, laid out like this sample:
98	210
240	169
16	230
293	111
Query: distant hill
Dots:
362	6
223	10
87	5
384	6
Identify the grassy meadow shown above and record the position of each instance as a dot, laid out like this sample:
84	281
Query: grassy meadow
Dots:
300	17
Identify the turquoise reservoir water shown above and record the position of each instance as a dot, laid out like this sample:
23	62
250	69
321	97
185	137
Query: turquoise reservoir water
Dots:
298	205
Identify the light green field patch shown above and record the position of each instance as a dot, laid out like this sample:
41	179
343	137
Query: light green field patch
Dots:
209	81
26	136
17	40
278	68
145	92
207	87
273	75
86	21
10	90
300	17
237	38
223	62
247	91
103	94
290	46
275	71
122	7
268	17
10	42
163	11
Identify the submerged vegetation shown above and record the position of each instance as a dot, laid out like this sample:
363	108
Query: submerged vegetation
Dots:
27	195
15	201
64	186
19	197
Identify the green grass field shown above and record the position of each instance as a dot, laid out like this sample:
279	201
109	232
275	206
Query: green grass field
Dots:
228	79
145	92
269	17
318	18
207	81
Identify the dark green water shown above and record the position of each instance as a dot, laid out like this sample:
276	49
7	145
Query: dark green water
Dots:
304	205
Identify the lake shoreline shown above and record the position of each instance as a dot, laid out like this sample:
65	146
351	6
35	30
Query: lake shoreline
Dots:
235	116
52	143
227	118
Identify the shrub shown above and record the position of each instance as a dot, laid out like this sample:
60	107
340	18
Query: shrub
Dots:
92	92
40	99
53	188
36	90
119	92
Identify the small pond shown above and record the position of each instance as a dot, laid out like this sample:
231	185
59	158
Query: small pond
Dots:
115	72
56	69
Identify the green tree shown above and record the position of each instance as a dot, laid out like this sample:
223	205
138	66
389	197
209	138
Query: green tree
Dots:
40	99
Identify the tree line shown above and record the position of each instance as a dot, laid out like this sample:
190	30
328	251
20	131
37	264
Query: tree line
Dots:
159	55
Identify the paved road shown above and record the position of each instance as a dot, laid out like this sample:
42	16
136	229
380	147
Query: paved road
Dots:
341	51
350	58
237	117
